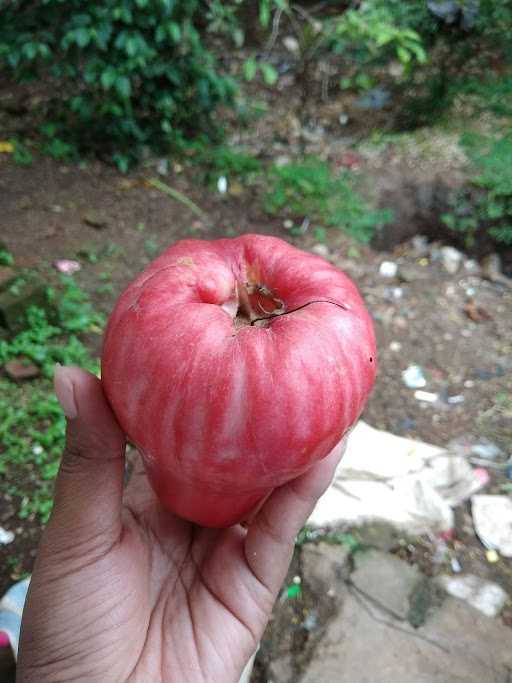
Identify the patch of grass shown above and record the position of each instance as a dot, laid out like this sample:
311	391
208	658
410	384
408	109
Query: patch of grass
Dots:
486	205
217	161
32	429
489	94
311	190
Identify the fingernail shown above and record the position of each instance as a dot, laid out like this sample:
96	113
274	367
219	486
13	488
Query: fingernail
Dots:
64	391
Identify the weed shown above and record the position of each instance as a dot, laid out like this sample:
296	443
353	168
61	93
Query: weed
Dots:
485	207
220	161
32	430
6	258
311	189
21	155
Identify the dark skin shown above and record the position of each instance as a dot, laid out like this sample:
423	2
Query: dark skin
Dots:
125	591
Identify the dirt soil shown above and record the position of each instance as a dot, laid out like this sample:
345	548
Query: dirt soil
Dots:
458	327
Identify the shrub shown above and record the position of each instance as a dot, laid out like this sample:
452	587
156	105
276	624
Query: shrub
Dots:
123	74
485	208
311	190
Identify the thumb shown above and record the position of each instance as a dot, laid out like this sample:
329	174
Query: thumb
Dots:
89	486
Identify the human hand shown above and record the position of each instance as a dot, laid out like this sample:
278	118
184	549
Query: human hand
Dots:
124	591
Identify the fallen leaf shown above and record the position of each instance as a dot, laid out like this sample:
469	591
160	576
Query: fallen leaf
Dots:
6	147
475	313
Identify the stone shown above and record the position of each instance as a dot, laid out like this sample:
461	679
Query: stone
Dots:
456	644
388	478
326	567
485	596
387	580
21	369
492	518
388	269
281	670
321	250
6	536
379	535
451	259
95	219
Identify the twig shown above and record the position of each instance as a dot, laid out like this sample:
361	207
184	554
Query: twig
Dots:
179	197
275	32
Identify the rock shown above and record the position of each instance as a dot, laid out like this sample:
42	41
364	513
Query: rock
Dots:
364	644
492	518
6	537
281	670
451	259
291	44
420	246
326	567
95	219
485	596
492	270
378	535
406	483
21	369
321	250
388	269
387	580
373	100
472	267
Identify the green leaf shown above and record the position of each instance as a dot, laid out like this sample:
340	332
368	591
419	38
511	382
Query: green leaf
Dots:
269	73
250	68
174	31
108	77
131	46
82	37
403	55
29	50
264	13
123	87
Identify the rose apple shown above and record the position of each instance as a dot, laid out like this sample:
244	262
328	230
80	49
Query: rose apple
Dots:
235	365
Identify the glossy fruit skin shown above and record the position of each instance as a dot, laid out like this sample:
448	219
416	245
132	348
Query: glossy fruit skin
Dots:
226	409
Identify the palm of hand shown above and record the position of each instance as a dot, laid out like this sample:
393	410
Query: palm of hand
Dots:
124	591
198	610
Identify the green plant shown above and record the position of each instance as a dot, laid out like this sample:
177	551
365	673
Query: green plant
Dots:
219	160
311	190
33	426
372	32
485	208
126	74
21	154
6	258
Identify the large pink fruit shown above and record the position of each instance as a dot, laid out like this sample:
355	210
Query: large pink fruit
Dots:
234	366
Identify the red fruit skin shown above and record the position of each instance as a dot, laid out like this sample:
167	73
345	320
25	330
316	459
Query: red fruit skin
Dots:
222	416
